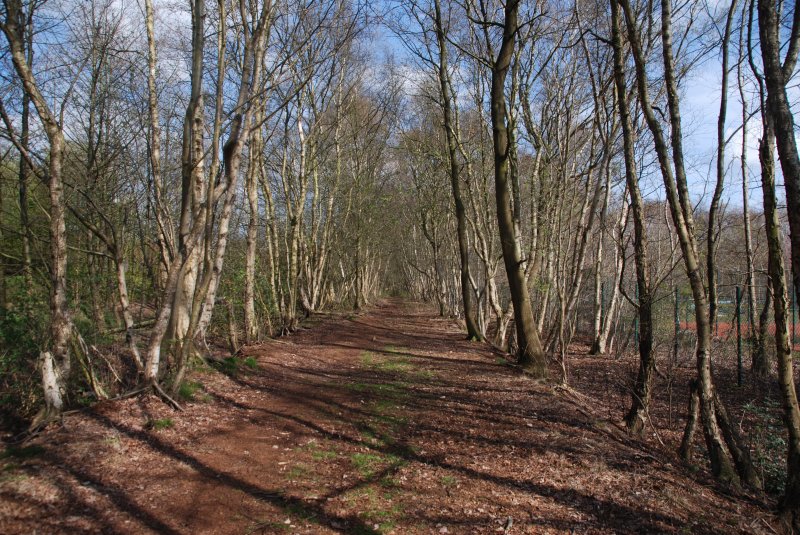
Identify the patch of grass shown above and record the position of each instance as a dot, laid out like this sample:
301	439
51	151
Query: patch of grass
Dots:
425	374
188	389
10	474
361	496
268	527
389	482
383	406
382	436
27	452
318	453
9	467
368	464
388	365
233	365
380	516
324	455
392	421
10	460
300	511
293	510
228	365
389	390
384	514
298	471
367	359
160	424
386	527
113	440
393	390
400	365
448	481
311	322
376	439
357	387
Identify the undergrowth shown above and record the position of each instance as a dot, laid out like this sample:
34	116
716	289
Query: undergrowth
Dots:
768	442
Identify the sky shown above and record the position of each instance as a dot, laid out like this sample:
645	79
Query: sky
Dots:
700	103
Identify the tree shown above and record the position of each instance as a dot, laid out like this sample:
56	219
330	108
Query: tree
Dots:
780	120
55	362
530	353
473	332
716	427
636	417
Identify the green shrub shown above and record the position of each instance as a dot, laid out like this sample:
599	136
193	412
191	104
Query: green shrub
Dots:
188	389
22	333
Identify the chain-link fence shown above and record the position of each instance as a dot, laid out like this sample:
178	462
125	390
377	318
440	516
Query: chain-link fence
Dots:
739	317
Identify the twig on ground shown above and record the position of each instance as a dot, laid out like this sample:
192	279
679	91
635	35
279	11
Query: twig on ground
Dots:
166	397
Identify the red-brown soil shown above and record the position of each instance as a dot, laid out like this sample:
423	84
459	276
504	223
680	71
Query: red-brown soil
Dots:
385	422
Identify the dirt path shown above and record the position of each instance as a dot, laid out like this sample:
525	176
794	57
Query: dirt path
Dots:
385	422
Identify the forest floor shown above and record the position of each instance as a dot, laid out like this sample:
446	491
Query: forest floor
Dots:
383	422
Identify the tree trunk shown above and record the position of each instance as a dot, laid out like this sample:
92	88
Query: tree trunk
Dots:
713	211
165	243
26	26
681	211
529	348
473	332
250	323
638	413
55	363
127	317
781	122
759	365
